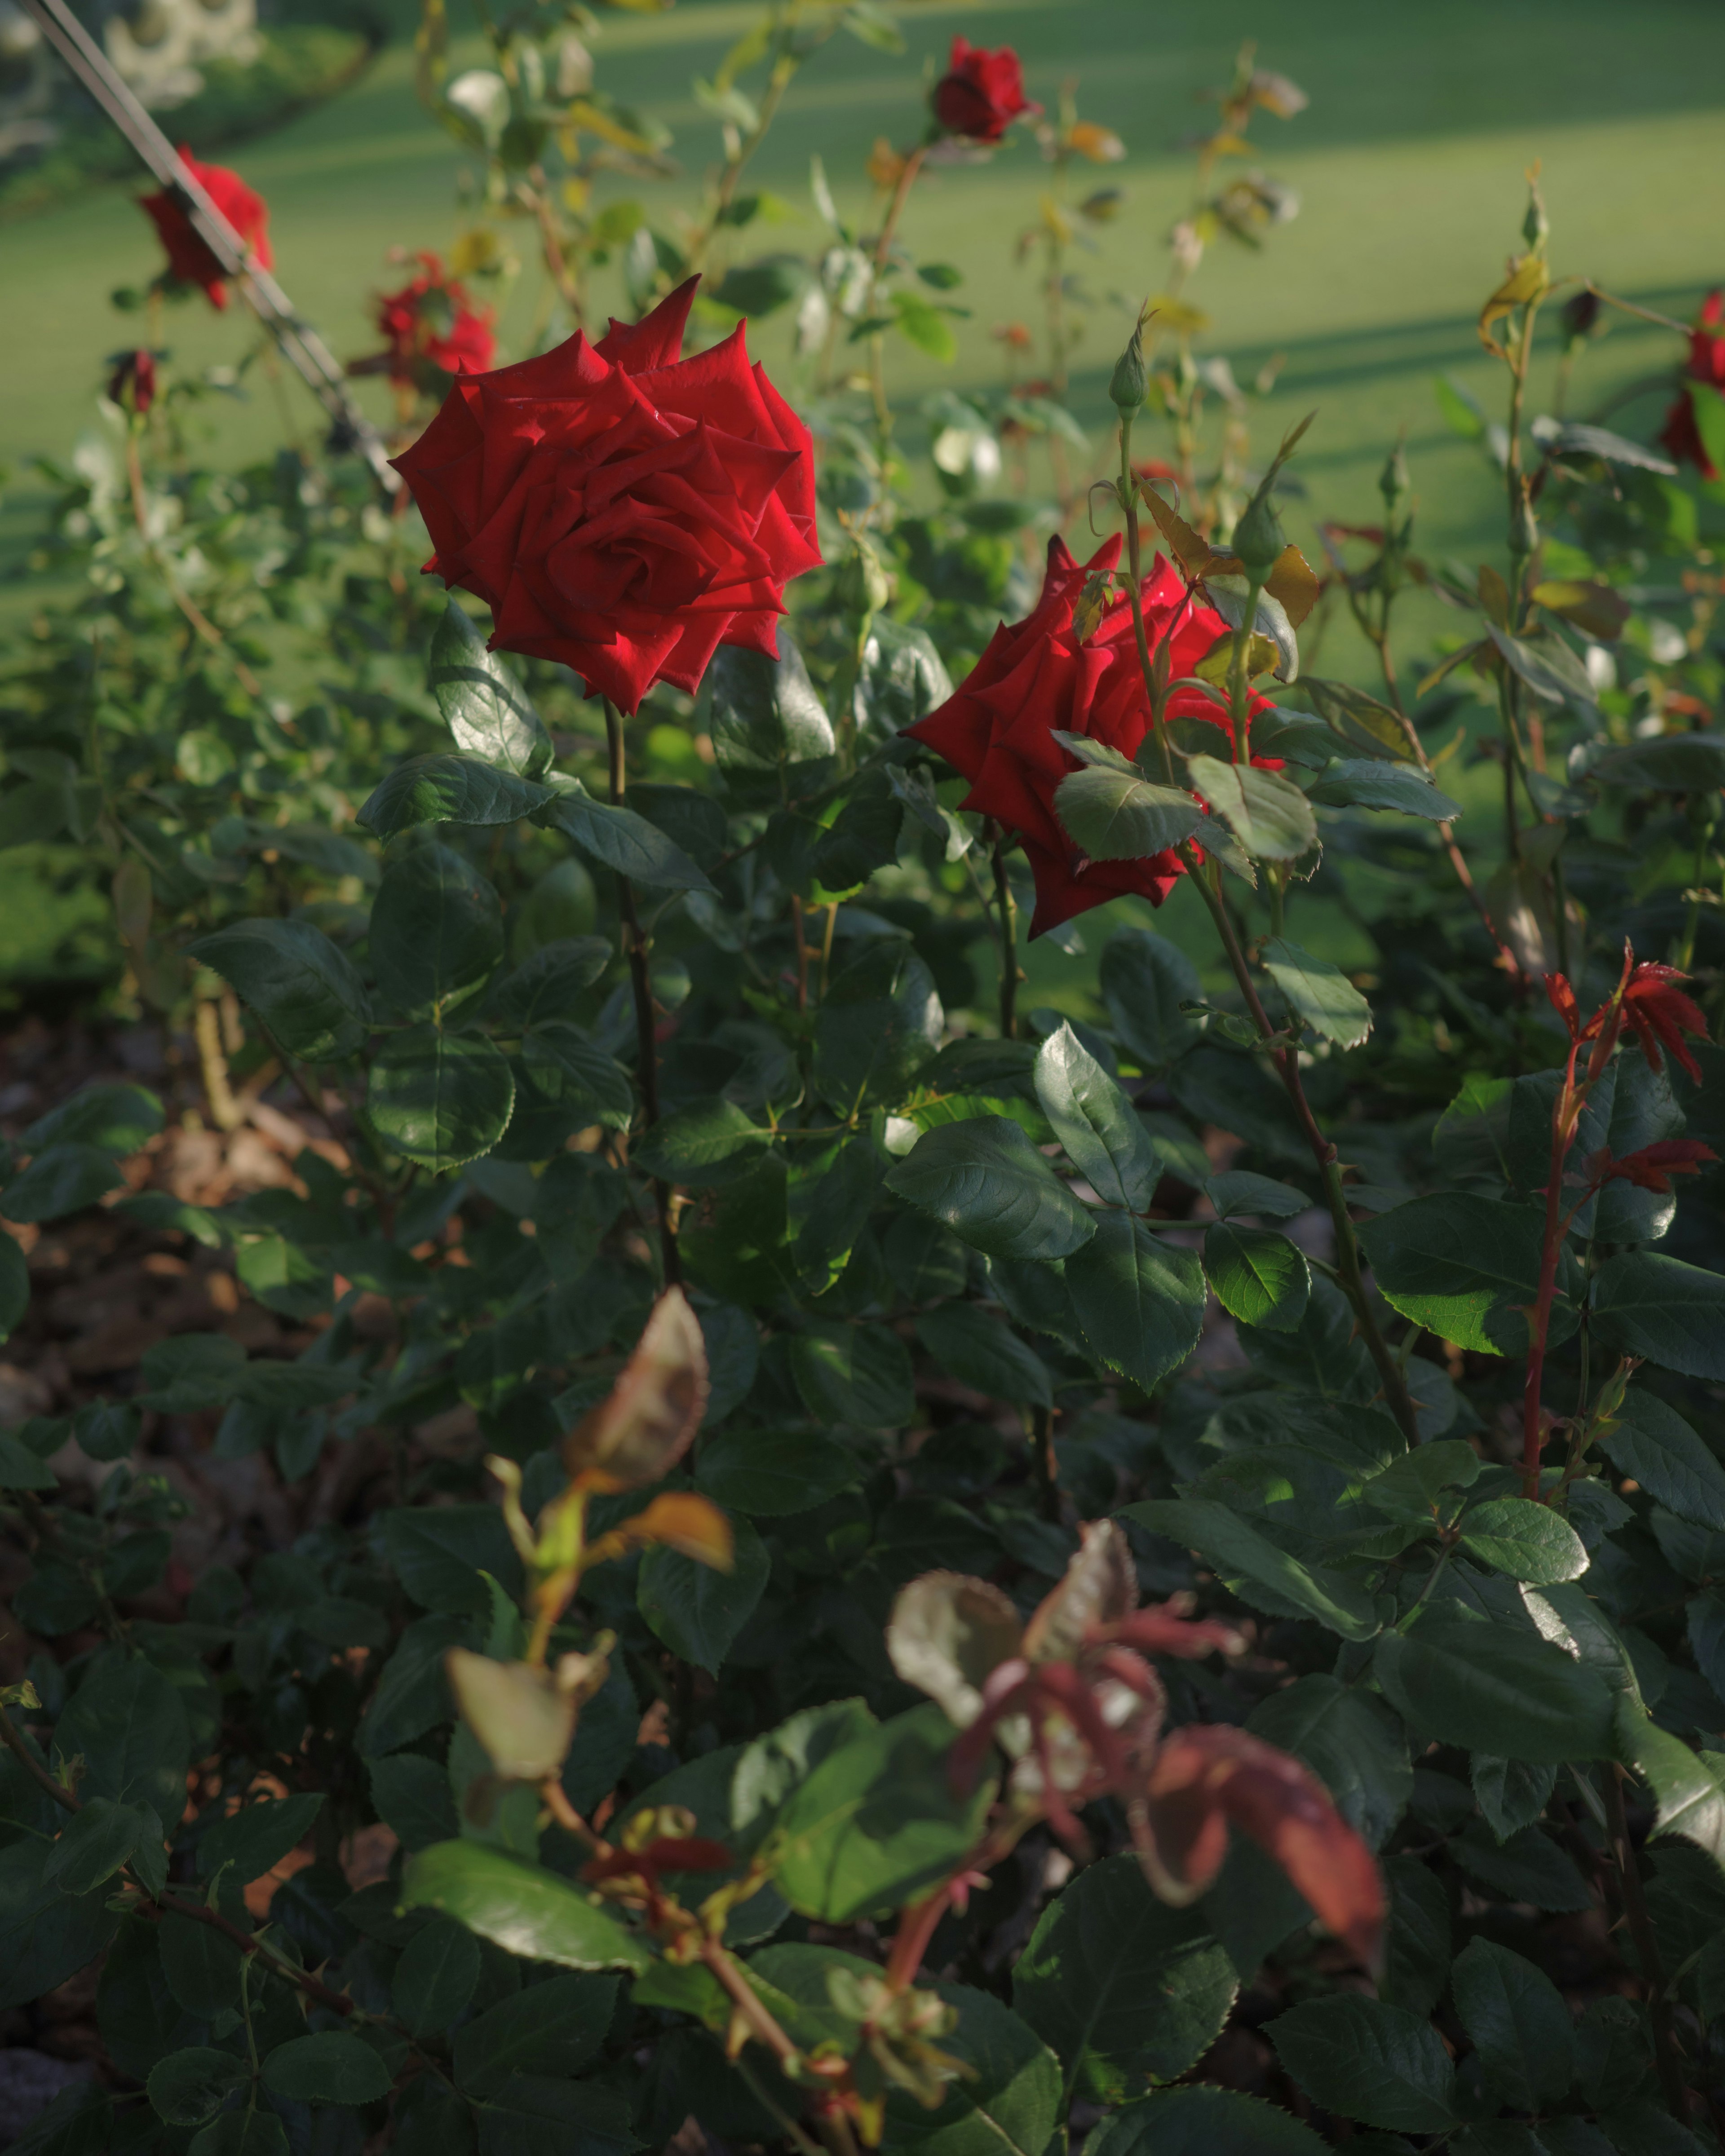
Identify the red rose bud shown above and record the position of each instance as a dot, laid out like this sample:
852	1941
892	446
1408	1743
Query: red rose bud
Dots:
432	329
1038	677
132	385
1681	434
620	510
981	93
189	260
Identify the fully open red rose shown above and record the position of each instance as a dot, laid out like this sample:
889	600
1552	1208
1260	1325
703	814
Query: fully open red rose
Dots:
981	93
432	329
1036	678
619	508
1706	363
188	259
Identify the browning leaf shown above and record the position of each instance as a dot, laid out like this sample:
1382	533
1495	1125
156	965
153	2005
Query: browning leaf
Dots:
946	1635
649	1420
1100	1586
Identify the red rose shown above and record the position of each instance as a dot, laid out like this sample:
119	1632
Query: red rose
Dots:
133	381
1035	678
431	329
619	508
1706	363
188	259
981	93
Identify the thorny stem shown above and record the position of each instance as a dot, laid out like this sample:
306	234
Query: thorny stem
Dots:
883	249
1634	1908
785	62
1284	1058
202	625
636	947
833	2127
166	1904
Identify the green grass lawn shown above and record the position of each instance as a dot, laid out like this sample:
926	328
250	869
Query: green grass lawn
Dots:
1408	163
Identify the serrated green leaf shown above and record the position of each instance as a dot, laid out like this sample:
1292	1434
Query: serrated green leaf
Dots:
1318	992
1268	814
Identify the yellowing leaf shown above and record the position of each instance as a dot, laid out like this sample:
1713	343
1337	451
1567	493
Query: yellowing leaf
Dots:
1194	554
685	1522
644	1427
1176	316
1529	280
475	251
1494	596
1593	606
1100	145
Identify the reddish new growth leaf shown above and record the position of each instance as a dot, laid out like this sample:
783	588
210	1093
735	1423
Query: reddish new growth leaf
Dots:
666	1853
1564	1003
1652	1167
1659	1015
1075	1705
1205	1780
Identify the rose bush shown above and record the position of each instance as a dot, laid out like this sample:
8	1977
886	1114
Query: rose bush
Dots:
677	1499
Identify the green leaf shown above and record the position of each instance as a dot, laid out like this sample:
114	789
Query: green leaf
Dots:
14	1301
619	839
985	1180
1465	1267
696	1608
1258	1276
1526	1540
450	789
440	1098
1677	763
412	1797
64	1180
1202	2121
1351	1741
1362	2060
1685	1788
1119	816
20	1468
1236	1190
1512	1794
120	1119
1409	1488
879	1026
546	983
767	716
1489	1687
519	1907
1139	1301
534	2115
1674	1314
703	1143
1122	1987
1008	2105
94	1843
877	1821
770	1473
482	704
1359	783
1517	2022
255	1838
854	1373
900	678
1269	814
1269	1577
187	2086
1229	1088
437	930
552	2028
202	1966
1095	1122
45	1936
441	1553
982	1352
247	2132
565	1067
129	1724
298	983
436	1975
328	2068
1318	992
926	325
1145	979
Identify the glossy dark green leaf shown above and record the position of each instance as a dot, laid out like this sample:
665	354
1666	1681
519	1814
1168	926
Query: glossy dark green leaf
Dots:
1465	1267
187	2086
202	1966
879	1026
519	1907
549	981
980	1351
129	1724
1258	1276
1009	2102
412	1797
769	1473
565	1067
900	678
1238	1191
1138	1299
45	1935
301	985
1518	2024
1204	2121
854	1373
1267	1576
436	932
1673	1313
1526	1540
1363	2059
483	705
1268	814
331	2067
1361	782
1493	1687
450	789
1122	1987
706	1142
255	1838
552	2028
1145	980
984	1179
617	839
63	1179
93	1843
696	1610
249	2133
1120	815
1319	993
1351	1741
1095	1121
440	1098
877	1821
119	1118
14	1301
765	714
